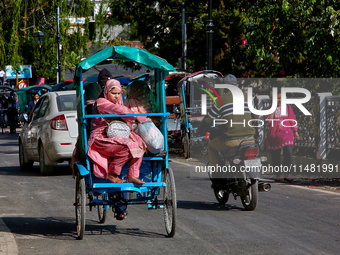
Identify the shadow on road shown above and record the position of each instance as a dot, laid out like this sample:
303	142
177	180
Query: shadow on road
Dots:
15	170
199	205
7	136
65	228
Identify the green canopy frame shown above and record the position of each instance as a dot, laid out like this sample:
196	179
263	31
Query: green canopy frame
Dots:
160	67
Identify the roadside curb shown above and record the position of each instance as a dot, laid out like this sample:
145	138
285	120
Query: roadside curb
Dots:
8	245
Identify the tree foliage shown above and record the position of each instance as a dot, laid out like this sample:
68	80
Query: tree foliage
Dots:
20	19
160	29
297	37
303	34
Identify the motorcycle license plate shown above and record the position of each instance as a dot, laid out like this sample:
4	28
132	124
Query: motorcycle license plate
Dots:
253	164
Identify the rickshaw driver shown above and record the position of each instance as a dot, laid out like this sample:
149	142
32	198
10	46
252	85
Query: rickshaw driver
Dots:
225	136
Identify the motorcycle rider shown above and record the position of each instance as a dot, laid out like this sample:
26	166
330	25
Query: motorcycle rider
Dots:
227	135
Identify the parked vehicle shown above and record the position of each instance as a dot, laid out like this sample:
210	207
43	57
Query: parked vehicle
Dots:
64	85
5	89
50	132
25	94
240	176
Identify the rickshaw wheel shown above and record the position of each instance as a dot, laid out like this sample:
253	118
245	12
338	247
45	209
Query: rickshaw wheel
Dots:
80	206
102	209
170	203
185	143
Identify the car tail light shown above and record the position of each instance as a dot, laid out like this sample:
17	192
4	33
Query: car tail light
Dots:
251	152
59	123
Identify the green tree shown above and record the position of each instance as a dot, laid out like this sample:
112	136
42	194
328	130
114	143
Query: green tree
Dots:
303	34
160	30
299	37
20	19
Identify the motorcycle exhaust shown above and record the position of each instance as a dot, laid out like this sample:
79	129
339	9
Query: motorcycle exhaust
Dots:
264	187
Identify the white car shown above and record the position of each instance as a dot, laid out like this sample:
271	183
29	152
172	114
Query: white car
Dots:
50	132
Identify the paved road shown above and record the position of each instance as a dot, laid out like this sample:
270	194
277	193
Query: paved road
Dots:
38	218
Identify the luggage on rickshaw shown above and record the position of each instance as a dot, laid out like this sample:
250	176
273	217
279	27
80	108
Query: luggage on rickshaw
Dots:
190	89
159	188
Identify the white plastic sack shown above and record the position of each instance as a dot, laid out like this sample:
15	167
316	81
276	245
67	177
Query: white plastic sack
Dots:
152	136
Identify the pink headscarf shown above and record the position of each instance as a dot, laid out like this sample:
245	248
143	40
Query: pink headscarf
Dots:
110	84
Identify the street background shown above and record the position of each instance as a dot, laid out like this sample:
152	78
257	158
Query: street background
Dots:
39	218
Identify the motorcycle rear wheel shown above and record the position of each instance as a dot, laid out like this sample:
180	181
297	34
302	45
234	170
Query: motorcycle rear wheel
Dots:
250	200
222	196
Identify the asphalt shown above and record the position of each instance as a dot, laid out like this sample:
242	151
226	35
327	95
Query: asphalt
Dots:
8	244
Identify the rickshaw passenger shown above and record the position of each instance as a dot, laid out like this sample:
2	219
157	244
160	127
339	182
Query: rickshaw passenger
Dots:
139	98
101	148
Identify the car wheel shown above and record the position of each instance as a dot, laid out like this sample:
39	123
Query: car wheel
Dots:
25	165
44	169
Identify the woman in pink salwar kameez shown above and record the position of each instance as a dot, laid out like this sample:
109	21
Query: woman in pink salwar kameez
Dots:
116	150
281	134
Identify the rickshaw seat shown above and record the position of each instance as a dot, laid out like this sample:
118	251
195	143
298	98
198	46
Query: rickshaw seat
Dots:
145	174
171	100
173	116
124	169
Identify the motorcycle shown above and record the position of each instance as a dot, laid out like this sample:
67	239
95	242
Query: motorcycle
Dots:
240	175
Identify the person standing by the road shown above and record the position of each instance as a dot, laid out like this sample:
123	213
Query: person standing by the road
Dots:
2	76
3	107
12	112
4	101
281	136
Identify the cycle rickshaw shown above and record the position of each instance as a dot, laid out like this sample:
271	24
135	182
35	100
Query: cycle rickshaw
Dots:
155	171
190	89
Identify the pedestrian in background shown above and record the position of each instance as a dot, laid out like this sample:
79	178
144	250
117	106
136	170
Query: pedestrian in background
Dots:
3	107
4	101
281	135
12	112
2	76
32	103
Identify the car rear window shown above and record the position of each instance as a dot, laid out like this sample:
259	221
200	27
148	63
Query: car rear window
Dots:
67	102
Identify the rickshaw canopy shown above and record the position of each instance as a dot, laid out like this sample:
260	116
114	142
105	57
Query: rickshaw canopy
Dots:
5	88
159	66
125	53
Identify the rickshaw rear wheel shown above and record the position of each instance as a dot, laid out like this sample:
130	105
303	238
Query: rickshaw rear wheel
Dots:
102	209
80	204
170	202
